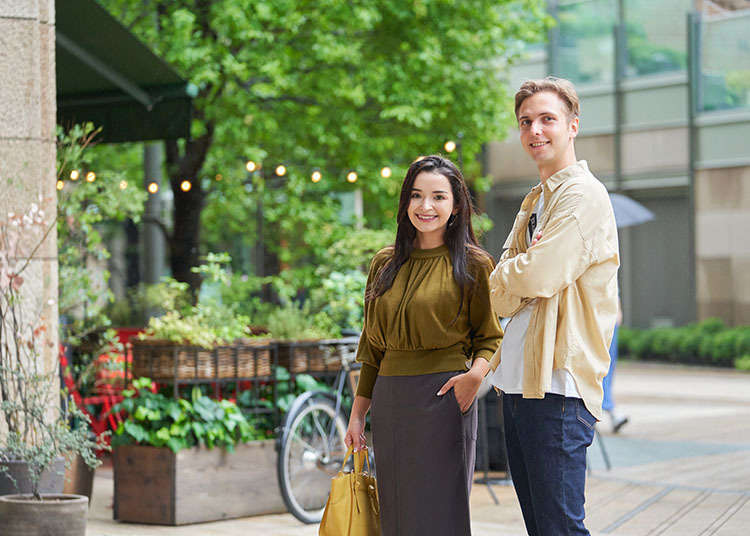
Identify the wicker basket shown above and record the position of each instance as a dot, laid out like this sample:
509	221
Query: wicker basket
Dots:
308	356
165	360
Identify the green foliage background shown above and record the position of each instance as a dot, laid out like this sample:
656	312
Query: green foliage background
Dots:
331	85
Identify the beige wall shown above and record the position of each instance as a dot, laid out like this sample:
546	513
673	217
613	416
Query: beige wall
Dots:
722	206
27	136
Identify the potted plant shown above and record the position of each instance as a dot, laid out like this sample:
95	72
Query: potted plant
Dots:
38	432
303	338
179	461
207	340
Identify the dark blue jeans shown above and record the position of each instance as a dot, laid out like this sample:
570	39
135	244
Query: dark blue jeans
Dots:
546	441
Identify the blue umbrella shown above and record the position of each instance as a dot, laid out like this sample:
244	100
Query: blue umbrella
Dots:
629	212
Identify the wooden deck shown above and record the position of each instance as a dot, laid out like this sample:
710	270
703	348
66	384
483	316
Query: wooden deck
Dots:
681	468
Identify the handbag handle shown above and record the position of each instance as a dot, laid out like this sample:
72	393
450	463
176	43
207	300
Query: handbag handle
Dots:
358	462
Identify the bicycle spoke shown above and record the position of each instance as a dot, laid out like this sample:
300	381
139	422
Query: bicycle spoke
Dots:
322	432
298	439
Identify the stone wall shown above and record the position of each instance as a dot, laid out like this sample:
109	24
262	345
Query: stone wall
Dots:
722	206
27	138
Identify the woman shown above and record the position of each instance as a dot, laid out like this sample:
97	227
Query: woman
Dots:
427	318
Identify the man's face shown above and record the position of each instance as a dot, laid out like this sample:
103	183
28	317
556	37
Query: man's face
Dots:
547	132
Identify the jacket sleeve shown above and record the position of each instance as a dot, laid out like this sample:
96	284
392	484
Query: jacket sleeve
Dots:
503	302
367	353
561	256
486	333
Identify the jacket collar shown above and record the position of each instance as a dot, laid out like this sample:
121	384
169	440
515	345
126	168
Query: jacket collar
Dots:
573	170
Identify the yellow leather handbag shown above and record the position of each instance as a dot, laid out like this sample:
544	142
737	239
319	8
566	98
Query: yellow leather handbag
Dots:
352	508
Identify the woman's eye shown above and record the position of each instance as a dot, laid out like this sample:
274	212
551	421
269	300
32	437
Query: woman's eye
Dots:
414	196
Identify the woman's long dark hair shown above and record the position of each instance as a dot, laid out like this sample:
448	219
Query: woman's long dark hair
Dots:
459	235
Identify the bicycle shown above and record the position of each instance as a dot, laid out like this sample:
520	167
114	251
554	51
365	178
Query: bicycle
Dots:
311	442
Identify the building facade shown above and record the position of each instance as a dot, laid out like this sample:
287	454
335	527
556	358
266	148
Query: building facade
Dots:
665	99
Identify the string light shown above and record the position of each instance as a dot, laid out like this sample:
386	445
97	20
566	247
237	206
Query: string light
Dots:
185	186
250	166
74	175
219	176
316	176
385	172
90	176
280	170
450	146
123	185
60	185
153	188
351	176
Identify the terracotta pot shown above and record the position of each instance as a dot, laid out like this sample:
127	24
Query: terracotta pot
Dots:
58	514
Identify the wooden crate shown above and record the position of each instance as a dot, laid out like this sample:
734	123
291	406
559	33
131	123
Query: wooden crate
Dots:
155	485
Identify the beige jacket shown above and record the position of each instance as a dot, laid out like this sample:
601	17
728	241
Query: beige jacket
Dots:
572	272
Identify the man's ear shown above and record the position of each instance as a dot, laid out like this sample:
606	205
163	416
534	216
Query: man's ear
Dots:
573	127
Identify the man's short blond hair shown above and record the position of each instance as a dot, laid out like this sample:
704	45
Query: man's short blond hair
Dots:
560	86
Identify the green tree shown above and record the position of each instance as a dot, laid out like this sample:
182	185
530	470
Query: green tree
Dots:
327	84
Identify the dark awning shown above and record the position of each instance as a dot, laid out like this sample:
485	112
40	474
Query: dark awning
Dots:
107	76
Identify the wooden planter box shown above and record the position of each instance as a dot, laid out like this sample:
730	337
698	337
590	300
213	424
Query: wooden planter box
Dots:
155	485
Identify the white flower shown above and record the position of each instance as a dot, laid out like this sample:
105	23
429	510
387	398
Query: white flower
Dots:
50	302
34	208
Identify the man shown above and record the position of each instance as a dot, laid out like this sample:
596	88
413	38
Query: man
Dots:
557	282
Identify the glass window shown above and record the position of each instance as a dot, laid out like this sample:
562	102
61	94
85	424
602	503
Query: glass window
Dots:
725	62
656	36
586	43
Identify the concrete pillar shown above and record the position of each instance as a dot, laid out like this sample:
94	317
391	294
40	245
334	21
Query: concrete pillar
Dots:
153	238
27	140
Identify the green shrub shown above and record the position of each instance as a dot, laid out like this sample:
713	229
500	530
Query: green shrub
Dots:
160	421
742	363
294	322
625	338
709	342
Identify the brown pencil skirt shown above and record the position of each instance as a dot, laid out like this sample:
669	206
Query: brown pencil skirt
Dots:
424	456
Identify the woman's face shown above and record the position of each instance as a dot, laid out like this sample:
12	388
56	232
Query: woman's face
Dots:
431	204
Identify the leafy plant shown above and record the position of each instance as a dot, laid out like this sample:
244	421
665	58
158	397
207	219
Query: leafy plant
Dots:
295	322
341	297
208	323
157	420
38	430
285	393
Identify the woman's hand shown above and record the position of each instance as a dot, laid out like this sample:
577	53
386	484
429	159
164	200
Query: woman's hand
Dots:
355	435
466	385
355	432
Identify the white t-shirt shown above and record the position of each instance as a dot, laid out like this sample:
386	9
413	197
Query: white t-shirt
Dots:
509	374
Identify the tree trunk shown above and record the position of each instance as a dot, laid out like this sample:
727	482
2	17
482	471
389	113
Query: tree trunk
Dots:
184	243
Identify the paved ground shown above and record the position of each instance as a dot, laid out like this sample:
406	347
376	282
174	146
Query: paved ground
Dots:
681	467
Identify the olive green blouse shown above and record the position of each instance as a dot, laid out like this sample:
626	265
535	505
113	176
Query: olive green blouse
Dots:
410	329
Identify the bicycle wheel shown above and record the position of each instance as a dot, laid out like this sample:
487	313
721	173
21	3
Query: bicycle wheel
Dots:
308	459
